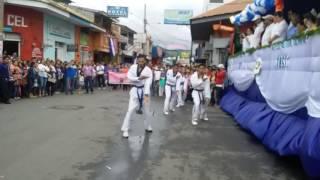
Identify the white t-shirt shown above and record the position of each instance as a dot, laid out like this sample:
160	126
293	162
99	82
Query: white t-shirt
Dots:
43	69
257	35
267	35
100	70
157	75
247	42
279	29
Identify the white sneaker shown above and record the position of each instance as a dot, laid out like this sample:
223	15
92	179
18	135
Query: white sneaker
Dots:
149	129
178	106
166	113
194	122
173	110
206	119
125	134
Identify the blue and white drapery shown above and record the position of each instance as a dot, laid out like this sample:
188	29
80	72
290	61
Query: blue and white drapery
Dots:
258	7
289	77
275	95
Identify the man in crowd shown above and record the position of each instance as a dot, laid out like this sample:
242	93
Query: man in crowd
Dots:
257	32
198	80
279	30
219	83
268	21
4	81
292	28
88	73
71	73
100	75
140	76
170	89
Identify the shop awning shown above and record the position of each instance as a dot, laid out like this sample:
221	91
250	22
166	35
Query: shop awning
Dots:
201	25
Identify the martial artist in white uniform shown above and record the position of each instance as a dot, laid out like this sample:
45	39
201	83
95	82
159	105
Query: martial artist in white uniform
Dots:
140	76
170	89
180	91
198	81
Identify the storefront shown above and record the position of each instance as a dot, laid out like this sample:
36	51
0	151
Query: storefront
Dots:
84	44
59	39
23	32
101	46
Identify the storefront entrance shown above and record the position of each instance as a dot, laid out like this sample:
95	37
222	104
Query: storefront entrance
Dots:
11	44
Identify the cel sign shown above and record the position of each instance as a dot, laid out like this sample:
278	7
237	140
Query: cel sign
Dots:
16	21
116	11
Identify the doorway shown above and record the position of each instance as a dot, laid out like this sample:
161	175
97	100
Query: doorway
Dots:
60	51
11	47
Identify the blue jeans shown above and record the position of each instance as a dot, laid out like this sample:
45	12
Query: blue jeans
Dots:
43	85
69	85
88	83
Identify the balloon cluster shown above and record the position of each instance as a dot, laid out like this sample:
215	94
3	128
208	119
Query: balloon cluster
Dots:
257	8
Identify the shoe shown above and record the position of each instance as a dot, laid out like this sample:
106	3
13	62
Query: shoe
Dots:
173	110
99	88
125	134
149	130
206	119
194	122
166	113
7	102
178	106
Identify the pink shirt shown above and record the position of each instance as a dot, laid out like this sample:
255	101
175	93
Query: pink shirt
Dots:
88	71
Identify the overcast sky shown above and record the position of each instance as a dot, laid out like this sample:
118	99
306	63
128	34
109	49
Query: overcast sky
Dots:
164	35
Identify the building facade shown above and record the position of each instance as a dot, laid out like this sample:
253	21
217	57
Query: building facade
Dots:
23	32
59	39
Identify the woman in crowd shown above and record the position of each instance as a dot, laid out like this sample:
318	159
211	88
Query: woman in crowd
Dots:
43	70
247	39
310	21
51	79
24	83
31	79
17	76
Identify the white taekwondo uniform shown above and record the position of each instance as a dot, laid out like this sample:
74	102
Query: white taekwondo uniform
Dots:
170	90
137	92
198	96
180	91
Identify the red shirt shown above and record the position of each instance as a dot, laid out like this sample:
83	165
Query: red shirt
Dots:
220	75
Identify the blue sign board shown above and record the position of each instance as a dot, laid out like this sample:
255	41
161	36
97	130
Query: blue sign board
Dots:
116	11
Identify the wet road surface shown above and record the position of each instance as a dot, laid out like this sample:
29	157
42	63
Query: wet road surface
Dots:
78	138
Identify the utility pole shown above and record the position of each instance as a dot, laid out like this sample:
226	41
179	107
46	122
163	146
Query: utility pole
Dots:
145	30
1	27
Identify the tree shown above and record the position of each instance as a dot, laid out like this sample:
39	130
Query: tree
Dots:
64	1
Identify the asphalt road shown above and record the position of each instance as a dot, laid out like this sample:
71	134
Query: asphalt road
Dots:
78	138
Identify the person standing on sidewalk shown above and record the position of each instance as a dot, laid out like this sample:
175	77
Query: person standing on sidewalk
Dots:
100	76
4	81
71	72
88	73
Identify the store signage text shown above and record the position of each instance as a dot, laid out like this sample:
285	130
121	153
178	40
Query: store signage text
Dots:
16	21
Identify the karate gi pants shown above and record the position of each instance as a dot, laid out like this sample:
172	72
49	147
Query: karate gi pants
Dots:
171	97
133	106
199	108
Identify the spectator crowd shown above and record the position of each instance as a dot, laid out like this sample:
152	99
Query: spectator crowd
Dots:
271	29
40	78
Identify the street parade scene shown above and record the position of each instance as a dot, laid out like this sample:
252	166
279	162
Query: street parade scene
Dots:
159	90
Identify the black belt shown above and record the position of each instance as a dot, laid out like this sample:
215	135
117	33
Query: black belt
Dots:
202	100
140	98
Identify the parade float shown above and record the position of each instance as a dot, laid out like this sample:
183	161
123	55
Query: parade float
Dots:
274	92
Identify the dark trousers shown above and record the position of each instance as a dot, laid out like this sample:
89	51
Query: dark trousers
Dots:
51	87
88	83
4	90
101	81
219	94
